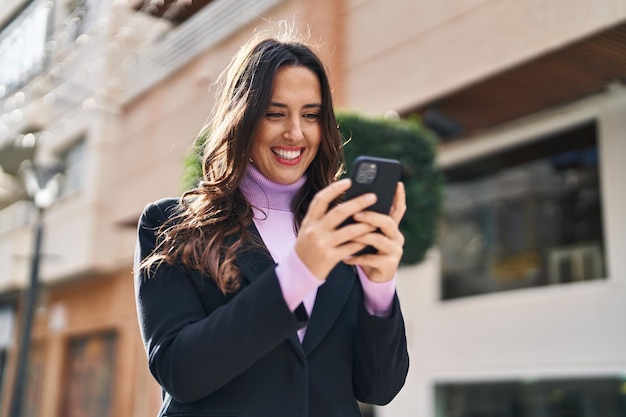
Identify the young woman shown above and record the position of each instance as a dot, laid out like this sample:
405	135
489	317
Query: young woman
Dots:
249	301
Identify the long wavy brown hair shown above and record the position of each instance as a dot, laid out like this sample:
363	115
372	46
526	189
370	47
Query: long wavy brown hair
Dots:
210	227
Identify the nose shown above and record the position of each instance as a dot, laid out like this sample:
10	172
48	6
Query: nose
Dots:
293	130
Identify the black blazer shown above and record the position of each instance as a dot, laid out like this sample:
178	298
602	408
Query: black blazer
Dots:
239	355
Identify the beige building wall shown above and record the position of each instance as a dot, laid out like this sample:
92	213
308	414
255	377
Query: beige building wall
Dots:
92	306
404	53
84	307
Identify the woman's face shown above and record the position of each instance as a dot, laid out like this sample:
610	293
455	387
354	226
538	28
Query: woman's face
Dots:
289	135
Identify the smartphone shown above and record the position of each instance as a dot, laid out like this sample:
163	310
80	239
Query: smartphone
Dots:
374	175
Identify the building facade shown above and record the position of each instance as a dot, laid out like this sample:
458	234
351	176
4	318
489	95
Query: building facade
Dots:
517	310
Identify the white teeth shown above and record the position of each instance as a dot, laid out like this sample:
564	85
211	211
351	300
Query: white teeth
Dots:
288	155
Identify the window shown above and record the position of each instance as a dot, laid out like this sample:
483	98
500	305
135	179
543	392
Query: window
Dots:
604	397
73	160
23	47
89	376
525	217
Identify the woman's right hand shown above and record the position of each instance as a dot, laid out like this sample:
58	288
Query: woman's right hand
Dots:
321	243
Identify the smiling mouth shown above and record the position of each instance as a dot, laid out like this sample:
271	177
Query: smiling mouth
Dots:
287	155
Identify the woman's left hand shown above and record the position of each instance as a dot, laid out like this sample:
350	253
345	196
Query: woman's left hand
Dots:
389	241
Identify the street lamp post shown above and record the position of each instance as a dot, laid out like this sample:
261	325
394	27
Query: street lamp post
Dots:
42	185
29	303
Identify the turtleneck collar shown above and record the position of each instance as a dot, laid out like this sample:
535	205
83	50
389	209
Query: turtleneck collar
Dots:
264	193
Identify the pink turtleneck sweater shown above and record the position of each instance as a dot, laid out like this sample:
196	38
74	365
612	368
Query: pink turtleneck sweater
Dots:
273	218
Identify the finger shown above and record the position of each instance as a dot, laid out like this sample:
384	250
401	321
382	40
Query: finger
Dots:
351	232
380	242
322	200
398	207
387	239
372	238
374	270
384	263
348	249
339	214
375	266
386	224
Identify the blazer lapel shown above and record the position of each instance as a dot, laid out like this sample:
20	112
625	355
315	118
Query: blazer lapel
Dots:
252	262
329	302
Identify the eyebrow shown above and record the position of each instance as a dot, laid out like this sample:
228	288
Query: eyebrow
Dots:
306	106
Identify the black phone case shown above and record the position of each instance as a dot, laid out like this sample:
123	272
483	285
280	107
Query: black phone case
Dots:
383	185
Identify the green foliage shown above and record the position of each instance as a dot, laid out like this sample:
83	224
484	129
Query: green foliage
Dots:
406	141
415	147
192	164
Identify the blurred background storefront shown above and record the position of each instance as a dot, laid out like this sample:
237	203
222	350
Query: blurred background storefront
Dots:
518	310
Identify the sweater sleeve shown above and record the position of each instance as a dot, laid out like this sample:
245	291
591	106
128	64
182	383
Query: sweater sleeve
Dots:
378	296
295	279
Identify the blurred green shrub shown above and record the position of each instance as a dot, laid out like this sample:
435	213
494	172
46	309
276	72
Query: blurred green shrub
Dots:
415	147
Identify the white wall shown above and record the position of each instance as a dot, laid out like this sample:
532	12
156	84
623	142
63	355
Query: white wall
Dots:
573	330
